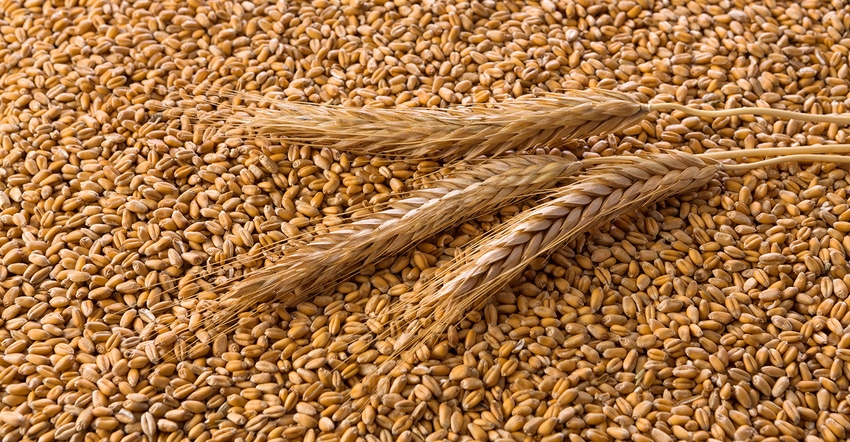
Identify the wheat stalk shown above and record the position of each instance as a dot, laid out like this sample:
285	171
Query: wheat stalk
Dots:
750	111
451	133
598	196
466	193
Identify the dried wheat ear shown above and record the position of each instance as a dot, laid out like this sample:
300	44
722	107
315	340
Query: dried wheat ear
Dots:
446	134
516	126
608	188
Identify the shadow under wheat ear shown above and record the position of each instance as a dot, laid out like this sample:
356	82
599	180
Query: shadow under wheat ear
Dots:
476	190
452	133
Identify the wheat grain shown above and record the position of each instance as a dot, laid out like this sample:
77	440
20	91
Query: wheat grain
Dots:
103	197
459	132
468	193
599	195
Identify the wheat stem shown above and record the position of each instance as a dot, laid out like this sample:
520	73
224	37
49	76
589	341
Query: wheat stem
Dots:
786	159
761	111
777	151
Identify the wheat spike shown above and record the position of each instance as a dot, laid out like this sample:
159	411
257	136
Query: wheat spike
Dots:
468	193
598	196
457	132
616	185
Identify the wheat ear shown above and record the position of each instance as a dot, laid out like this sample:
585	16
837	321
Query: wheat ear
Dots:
452	133
615	185
598	196
475	191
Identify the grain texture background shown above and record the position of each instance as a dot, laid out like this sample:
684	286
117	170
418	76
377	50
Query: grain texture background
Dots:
720	314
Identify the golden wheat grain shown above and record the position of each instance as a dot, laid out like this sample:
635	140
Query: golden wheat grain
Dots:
458	132
468	193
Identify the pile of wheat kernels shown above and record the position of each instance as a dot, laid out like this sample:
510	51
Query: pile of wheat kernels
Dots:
717	316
